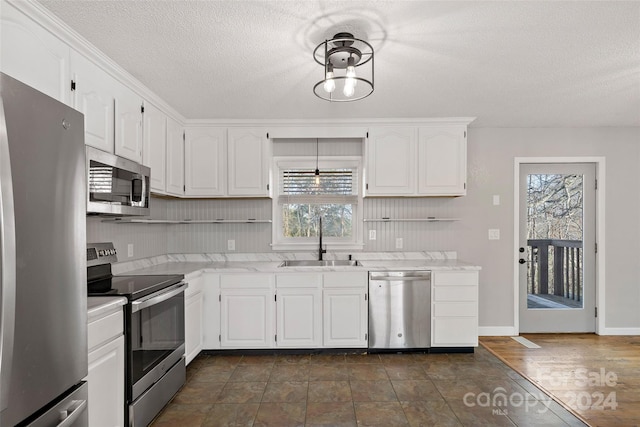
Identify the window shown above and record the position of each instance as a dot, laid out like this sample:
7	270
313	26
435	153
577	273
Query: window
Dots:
302	198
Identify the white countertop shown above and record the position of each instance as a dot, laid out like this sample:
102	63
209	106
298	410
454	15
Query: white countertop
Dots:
100	306
188	266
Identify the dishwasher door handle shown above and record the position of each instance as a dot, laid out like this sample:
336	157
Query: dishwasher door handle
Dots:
399	278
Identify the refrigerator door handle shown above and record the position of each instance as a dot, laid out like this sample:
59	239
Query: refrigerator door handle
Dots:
7	264
71	414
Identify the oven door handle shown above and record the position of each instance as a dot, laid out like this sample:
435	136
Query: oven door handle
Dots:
156	299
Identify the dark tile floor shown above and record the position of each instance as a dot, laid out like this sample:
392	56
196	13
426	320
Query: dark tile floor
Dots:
359	390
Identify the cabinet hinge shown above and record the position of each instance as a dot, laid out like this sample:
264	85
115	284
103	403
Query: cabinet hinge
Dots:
267	187
267	135
366	337
73	85
366	186
142	109
219	338
367	134
184	188
465	185
365	297
275	298
220	298
596	248
596	311
184	136
465	133
276	337
596	184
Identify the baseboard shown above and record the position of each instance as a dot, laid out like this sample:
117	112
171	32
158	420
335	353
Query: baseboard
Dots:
619	331
496	331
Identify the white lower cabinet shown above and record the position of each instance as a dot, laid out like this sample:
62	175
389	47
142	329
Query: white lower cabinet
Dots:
106	368
345	309
247	311
454	309
193	316
211	311
299	310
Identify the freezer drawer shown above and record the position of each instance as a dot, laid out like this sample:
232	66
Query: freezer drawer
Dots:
70	411
399	310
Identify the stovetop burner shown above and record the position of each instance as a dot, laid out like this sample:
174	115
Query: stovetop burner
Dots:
132	287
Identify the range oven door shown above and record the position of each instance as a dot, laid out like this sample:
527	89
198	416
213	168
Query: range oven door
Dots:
157	337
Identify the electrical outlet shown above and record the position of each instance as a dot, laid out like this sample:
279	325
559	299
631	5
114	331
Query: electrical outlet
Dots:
399	243
496	200
372	234
494	234
231	245
130	250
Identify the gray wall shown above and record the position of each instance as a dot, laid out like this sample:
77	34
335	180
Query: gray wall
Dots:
491	153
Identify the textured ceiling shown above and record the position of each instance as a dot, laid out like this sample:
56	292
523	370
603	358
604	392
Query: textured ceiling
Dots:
542	64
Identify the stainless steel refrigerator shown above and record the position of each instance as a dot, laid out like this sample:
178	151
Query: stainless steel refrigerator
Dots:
43	297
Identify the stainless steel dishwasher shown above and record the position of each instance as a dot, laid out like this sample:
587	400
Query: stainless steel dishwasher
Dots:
399	309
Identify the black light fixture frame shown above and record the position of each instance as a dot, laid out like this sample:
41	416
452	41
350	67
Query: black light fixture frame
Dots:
335	57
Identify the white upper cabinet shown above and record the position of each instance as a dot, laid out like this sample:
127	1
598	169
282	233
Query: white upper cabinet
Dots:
248	162
128	113
416	162
205	155
391	154
33	55
175	158
442	160
93	95
154	150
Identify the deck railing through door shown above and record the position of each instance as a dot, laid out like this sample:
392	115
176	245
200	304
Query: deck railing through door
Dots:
555	268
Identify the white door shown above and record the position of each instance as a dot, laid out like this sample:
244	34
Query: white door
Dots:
557	247
299	317
345	317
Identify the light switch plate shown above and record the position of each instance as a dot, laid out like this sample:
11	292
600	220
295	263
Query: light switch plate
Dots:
130	250
494	234
231	245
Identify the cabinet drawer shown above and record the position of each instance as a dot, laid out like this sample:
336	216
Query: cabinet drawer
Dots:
454	293
455	278
455	331
351	279
105	329
298	280
246	281
462	309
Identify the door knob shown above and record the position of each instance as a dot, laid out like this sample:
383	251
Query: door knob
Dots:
522	261
521	250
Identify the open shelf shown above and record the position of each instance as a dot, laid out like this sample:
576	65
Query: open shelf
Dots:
185	221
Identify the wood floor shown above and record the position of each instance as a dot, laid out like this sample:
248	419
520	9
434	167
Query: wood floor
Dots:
595	377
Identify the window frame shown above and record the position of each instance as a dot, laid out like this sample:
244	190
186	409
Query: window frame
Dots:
279	242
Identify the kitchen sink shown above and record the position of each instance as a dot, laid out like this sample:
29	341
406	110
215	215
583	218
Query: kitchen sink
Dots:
316	263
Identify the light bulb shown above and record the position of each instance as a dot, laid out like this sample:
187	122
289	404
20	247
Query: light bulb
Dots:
329	83
349	88
351	74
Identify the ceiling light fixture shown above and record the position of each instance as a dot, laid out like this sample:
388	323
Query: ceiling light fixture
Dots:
344	52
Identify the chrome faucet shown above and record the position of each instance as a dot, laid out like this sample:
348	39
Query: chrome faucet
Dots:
320	250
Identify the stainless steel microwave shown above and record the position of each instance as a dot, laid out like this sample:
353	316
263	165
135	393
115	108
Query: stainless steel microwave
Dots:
116	186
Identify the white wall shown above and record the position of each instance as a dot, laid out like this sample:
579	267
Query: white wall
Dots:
491	153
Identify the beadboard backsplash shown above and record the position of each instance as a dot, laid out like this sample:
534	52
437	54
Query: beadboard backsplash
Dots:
149	240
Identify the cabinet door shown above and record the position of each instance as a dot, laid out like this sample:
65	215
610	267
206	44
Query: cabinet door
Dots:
344	317
33	55
248	162
106	384
154	150
175	158
246	318
391	160
93	97
128	112
442	161
211	311
205	162
299	317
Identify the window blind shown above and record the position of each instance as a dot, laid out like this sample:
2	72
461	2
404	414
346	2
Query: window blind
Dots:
335	186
